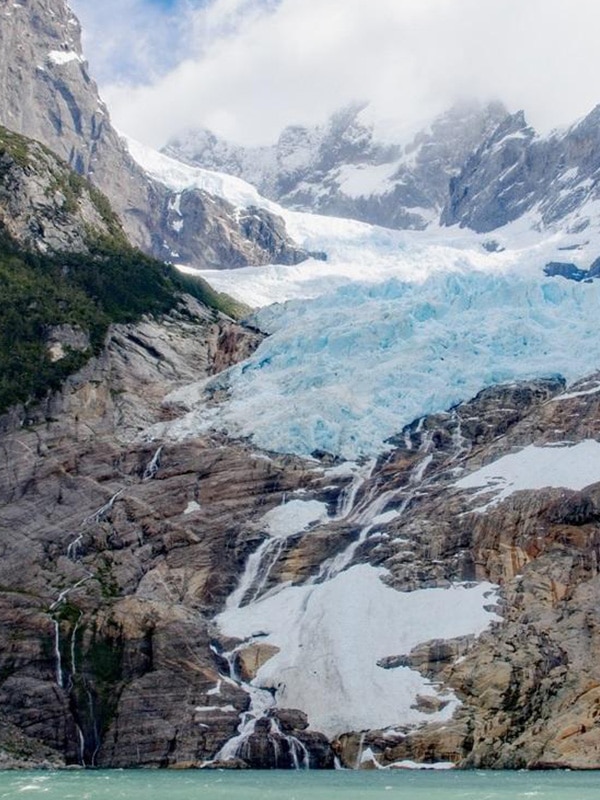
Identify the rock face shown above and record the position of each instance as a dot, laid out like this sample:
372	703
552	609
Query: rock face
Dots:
514	172
528	686
108	645
344	169
197	228
44	205
46	93
479	168
121	552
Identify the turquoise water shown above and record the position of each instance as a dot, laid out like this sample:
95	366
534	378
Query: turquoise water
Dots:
280	785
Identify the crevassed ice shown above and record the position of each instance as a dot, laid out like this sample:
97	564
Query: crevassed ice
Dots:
345	371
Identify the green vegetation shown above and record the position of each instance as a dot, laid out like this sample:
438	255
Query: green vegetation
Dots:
109	585
16	146
113	282
203	291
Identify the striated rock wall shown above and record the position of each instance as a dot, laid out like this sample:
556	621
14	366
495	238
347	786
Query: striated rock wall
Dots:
118	552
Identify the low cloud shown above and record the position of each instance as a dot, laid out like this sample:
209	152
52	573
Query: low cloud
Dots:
246	68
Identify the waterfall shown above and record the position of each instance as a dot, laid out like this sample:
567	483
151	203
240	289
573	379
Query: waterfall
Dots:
254	567
359	752
347	498
98	515
261	706
73	548
153	465
73	644
367	519
365	511
61	670
57	656
282	523
81	745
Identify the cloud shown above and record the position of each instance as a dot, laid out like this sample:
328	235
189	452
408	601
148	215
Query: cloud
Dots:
246	68
134	42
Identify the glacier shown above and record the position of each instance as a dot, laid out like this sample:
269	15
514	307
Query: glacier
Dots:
393	326
345	371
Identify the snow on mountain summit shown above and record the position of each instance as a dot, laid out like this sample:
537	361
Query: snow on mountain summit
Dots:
354	165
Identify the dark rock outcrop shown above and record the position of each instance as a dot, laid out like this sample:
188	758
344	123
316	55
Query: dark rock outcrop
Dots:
515	172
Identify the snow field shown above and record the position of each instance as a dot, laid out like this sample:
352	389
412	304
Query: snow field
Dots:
331	636
553	466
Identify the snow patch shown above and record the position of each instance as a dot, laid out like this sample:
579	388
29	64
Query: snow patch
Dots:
567	466
61	57
572	395
331	635
293	517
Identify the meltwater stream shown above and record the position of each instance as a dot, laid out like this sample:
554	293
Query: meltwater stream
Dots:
301	785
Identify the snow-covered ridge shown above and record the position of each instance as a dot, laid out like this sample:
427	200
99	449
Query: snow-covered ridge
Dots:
358	251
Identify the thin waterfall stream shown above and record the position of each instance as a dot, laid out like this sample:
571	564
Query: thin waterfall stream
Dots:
364	510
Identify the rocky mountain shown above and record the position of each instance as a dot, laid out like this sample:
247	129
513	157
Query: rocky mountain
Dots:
195	600
515	172
46	93
68	272
369	538
346	168
113	652
480	168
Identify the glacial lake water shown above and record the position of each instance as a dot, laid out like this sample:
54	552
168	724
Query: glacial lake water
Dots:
283	785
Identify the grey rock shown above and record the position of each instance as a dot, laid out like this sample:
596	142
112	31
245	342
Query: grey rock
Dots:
565	270
515	172
47	94
306	168
44	206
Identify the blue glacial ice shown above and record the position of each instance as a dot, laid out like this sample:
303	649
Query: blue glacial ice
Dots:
345	371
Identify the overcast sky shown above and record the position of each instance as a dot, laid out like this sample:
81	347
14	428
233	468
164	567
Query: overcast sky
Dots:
246	68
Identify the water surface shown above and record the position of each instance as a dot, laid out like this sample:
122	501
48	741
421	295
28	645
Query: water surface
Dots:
289	785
